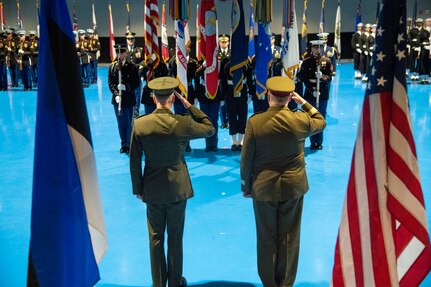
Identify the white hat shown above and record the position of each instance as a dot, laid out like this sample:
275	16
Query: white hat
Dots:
368	25
317	42
359	24
20	32
90	31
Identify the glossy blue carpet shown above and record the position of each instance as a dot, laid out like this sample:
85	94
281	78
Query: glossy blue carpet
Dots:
219	239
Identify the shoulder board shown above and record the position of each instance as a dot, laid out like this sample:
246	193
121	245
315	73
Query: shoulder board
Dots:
297	110
141	116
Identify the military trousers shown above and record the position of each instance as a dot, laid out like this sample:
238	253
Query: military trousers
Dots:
211	109
278	226
168	217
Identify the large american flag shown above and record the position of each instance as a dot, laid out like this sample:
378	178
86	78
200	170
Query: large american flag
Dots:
383	238
151	22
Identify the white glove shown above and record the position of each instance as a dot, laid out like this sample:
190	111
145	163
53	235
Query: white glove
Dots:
318	75
358	50
371	53
117	99
20	51
222	103
121	87
366	53
417	49
196	102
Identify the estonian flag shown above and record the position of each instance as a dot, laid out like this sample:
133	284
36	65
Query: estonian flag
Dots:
68	236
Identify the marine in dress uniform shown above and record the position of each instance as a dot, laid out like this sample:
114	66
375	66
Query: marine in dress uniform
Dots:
273	174
129	82
165	186
307	76
3	64
34	56
24	60
11	45
93	49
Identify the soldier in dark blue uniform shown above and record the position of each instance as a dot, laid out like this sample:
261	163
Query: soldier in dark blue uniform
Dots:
126	101
307	75
3	64
24	59
223	57
415	48
84	58
11	44
357	50
148	72
135	56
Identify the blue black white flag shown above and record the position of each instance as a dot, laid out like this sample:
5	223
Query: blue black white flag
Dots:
263	57
68	236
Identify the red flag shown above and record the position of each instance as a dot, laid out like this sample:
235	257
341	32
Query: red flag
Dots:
151	22
209	39
112	52
165	45
202	41
383	238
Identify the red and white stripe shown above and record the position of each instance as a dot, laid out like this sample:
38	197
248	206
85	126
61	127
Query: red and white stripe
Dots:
151	22
383	238
181	55
112	52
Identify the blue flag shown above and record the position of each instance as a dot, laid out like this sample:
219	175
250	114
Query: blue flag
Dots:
68	236
251	50
263	58
239	46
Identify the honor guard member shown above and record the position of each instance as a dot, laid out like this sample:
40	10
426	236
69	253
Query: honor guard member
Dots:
328	51
165	184
84	58
34	56
223	57
369	51
135	56
308	76
11	44
415	48
425	57
93	50
273	174
276	64
363	57
3	64
357	51
148	72
24	60
123	97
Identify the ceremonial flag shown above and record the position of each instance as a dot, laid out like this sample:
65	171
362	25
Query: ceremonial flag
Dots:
198	33
165	44
187	34
378	12
290	47
304	31
38	18
18	15
2	20
359	14
151	22
202	38
68	236
415	12
263	57
75	18
128	27
208	11
383	238
337	34
112	51
94	18
181	56
239	46
322	18
251	50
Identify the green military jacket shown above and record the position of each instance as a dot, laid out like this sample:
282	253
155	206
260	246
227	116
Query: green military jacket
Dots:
162	138
272	157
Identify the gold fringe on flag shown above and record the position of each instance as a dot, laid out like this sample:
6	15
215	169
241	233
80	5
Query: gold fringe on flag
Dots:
262	10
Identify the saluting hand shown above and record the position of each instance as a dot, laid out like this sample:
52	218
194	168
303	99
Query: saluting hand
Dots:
298	99
183	100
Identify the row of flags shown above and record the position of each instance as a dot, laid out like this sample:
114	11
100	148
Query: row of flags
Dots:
383	238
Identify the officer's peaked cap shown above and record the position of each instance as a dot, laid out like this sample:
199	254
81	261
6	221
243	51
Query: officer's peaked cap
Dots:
163	86
280	86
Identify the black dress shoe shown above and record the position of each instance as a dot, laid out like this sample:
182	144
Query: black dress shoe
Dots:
319	147
122	149
234	147
126	149
183	282
239	147
313	146
188	148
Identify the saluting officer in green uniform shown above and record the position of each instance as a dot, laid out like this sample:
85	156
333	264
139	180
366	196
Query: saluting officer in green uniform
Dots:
273	174
165	184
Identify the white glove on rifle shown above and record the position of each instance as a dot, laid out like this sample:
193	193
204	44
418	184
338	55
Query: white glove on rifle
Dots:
121	87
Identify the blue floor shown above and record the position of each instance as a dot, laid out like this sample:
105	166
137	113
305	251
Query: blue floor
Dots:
219	239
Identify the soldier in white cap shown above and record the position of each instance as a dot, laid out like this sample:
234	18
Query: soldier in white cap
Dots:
424	57
357	51
24	59
165	185
93	49
84	58
415	48
34	56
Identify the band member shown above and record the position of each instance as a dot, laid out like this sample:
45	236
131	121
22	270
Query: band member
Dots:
34	56
24	61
